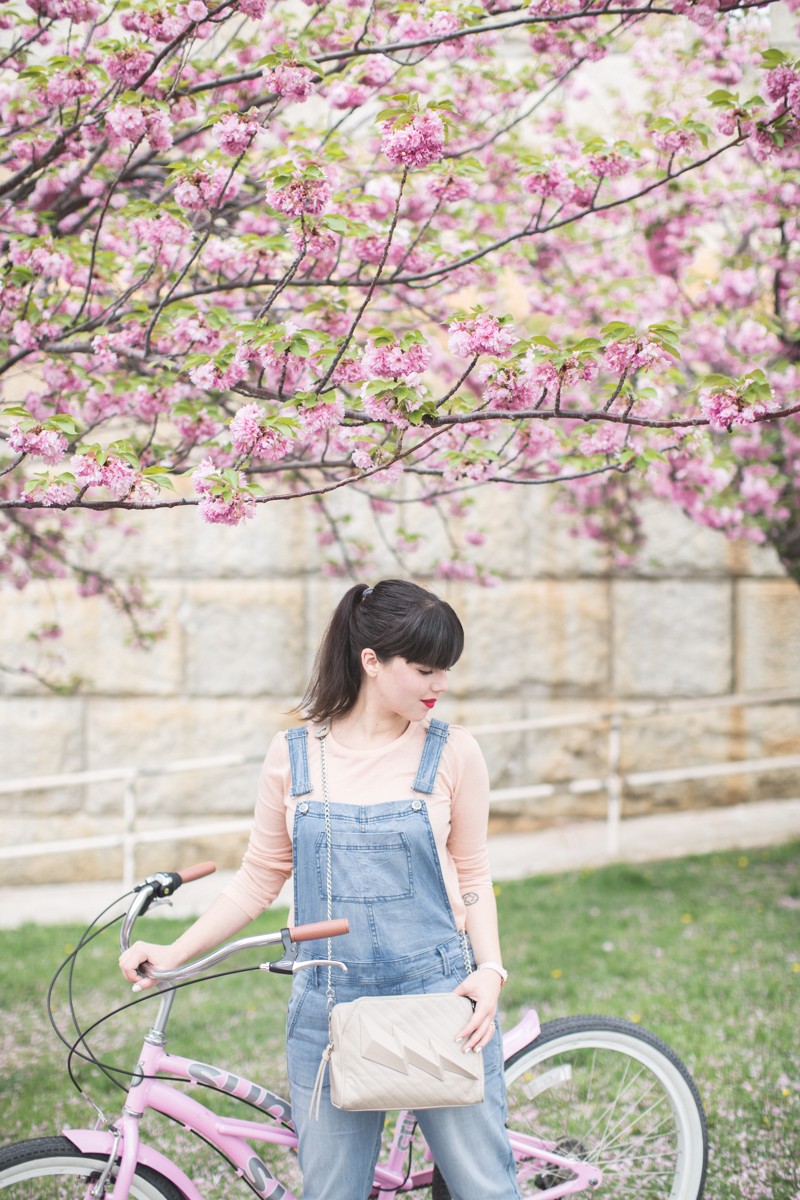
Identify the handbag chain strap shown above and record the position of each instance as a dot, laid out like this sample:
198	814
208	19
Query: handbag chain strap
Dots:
330	993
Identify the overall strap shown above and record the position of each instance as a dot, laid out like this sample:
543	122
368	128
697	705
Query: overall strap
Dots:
435	740
297	740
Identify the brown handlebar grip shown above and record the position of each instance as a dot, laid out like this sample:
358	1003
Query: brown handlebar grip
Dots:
197	871
319	929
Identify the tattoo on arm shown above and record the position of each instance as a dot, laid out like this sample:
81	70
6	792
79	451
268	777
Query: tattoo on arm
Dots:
470	898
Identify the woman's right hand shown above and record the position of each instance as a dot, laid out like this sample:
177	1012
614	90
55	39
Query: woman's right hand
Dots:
161	958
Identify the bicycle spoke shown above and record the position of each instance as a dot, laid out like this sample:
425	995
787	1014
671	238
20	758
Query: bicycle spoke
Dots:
593	1100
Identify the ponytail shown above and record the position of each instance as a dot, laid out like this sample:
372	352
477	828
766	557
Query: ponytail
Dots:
395	618
336	677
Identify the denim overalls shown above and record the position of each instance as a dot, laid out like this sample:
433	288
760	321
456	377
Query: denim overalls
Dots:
387	881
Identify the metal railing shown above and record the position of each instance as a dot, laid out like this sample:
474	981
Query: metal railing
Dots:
611	718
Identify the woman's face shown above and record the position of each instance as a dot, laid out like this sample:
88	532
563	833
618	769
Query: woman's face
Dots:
406	688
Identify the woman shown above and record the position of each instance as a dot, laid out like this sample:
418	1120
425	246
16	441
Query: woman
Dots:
409	805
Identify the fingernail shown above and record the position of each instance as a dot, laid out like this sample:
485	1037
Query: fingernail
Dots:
136	988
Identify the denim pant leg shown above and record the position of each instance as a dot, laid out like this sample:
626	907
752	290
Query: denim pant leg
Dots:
470	1143
338	1152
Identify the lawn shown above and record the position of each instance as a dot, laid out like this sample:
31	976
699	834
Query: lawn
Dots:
703	951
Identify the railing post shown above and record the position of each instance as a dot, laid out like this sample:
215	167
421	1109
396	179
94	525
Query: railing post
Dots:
614	786
129	833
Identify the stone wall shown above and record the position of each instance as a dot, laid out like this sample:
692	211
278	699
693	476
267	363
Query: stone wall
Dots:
243	611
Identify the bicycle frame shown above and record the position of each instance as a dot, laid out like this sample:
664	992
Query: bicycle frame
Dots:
232	1136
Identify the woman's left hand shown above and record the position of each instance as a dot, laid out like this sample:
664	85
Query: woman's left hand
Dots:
483	987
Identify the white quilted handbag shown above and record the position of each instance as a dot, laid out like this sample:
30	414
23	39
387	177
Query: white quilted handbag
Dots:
389	1052
392	1052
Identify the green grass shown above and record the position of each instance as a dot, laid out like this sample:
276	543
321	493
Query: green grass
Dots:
704	952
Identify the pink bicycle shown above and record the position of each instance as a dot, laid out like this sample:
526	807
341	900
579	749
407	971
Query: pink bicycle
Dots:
596	1105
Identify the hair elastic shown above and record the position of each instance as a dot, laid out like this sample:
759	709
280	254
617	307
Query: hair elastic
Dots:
366	592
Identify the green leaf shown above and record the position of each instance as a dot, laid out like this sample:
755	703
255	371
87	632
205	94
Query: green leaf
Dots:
717	381
63	423
160	477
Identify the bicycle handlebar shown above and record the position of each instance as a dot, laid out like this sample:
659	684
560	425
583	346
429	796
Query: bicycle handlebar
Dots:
165	883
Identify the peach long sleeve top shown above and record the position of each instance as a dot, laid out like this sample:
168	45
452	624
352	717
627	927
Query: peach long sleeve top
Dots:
458	809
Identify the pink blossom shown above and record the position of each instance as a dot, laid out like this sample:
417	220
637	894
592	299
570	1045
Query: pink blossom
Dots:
391	362
348	95
726	409
115	474
377	71
250	435
67	86
234	133
609	165
553	182
317	418
301	196
57	494
159	130
128	64
480	335
451	188
674	141
778	82
632	355
125	123
207	376
157	25
418	143
456	568
228	507
228	510
205	188
348	370
505	388
24	335
607	440
253	8
73	10
291	81
47	444
196	10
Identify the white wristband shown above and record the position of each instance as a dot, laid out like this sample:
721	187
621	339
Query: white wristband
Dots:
493	966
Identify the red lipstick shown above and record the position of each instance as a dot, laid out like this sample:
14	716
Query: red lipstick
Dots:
429	703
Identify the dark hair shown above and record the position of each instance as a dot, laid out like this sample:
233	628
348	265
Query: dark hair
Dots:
394	618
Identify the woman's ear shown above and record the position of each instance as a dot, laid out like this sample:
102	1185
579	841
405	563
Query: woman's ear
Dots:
369	662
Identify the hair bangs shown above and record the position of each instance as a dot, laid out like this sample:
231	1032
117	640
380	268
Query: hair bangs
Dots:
432	636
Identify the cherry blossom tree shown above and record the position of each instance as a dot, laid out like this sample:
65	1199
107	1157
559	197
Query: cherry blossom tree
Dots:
255	250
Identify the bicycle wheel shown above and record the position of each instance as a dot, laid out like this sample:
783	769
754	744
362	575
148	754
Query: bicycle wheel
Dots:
53	1169
607	1092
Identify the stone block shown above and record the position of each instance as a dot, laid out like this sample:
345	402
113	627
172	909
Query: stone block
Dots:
244	638
41	736
278	542
504	750
533	639
155	733
671	638
767	634
677	546
177	542
529	757
95	643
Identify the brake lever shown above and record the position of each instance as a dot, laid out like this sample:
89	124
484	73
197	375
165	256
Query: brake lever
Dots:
288	964
283	967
